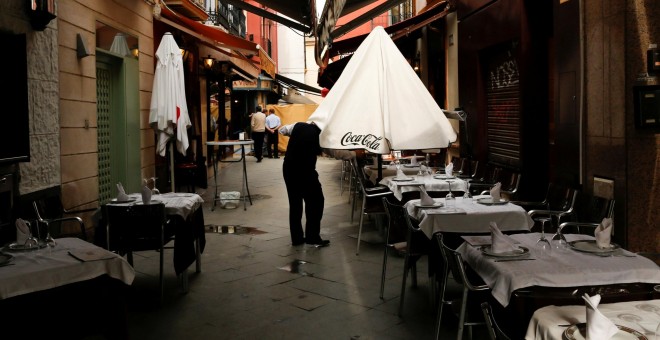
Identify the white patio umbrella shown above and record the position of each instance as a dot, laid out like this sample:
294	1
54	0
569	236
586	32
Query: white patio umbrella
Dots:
169	112
380	104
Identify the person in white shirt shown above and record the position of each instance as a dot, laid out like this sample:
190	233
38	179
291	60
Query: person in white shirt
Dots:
273	123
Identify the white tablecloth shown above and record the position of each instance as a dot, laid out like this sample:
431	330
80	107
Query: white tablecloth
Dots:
371	171
43	269
473	217
176	203
566	268
430	183
545	322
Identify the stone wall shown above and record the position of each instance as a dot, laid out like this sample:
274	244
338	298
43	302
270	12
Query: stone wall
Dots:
43	170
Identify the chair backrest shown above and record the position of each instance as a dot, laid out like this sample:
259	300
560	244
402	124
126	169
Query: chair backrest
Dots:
494	330
50	221
454	260
592	209
511	184
417	241
397	225
137	227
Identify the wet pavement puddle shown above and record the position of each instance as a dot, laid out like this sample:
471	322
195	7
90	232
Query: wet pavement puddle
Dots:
295	267
232	229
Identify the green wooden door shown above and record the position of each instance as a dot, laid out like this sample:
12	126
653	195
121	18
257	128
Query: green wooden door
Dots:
118	113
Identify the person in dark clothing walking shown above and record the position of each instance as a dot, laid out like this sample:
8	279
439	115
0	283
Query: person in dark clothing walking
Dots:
302	183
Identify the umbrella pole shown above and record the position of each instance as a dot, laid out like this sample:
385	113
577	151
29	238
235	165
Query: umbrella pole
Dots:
172	166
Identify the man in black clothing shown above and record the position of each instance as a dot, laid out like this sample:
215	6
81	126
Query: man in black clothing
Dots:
302	183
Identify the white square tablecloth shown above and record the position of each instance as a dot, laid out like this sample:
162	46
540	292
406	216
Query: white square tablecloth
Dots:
429	182
470	217
45	268
567	268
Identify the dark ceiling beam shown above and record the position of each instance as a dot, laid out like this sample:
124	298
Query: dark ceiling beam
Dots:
355	23
272	16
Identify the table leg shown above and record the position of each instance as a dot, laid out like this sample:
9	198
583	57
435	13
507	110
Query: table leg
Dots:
245	188
198	253
215	178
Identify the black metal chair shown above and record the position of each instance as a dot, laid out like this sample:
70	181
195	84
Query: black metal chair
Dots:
454	261
396	235
560	212
52	218
371	200
589	213
138	227
494	331
417	245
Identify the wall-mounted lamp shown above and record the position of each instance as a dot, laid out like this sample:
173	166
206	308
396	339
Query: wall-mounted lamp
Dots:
81	47
208	62
184	53
416	63
135	51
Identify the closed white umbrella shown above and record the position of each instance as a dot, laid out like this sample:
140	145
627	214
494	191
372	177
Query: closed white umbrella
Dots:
169	112
380	104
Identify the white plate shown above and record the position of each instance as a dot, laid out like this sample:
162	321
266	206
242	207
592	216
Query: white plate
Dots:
443	177
589	246
489	201
411	165
150	202
396	179
114	200
21	247
418	204
486	251
579	331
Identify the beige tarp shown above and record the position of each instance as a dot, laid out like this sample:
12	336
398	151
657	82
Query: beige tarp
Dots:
290	114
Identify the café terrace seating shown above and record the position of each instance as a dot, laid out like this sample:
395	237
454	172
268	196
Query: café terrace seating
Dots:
371	199
138	227
494	330
467	313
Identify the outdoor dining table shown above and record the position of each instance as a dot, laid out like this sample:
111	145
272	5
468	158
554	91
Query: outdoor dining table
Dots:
469	216
184	211
522	284
73	280
430	183
371	171
550	322
561	268
244	184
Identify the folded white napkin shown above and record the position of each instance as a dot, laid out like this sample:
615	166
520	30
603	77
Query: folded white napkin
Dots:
500	243
425	199
22	231
390	166
495	192
121	194
146	193
400	174
449	169
603	233
413	160
598	325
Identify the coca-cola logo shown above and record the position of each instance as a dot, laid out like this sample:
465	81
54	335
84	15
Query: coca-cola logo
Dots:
367	141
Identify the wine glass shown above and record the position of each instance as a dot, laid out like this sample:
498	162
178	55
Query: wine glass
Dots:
467	196
543	243
50	241
155	190
450	200
559	241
